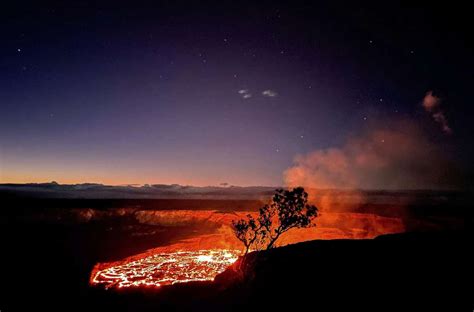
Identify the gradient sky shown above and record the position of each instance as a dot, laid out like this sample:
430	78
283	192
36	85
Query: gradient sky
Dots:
143	93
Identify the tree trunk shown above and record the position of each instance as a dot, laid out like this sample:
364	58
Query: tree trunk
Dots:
270	245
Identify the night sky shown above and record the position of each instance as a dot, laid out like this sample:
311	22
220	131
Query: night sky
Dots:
212	93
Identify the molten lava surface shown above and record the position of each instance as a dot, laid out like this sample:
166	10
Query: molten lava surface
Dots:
202	257
167	268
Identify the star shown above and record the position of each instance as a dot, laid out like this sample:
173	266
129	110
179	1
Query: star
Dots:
19	50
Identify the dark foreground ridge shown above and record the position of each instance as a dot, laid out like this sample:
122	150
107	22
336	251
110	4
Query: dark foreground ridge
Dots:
427	271
421	271
424	270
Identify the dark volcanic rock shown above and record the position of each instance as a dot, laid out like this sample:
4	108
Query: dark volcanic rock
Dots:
423	270
412	271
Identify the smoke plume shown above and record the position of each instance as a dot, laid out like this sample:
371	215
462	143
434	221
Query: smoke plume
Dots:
396	157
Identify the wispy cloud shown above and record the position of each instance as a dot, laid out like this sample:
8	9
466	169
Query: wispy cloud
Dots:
432	104
245	93
269	93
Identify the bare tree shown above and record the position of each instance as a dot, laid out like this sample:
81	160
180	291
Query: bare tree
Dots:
287	210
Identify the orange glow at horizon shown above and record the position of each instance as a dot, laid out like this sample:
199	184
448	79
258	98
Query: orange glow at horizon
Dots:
25	179
72	177
29	168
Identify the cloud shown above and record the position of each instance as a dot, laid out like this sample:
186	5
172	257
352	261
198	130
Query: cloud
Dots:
432	104
245	93
269	93
440	118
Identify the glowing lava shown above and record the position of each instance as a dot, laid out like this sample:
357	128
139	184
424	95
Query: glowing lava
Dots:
202	257
167	268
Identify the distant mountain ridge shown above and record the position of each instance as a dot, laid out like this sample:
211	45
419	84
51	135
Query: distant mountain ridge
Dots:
176	191
95	190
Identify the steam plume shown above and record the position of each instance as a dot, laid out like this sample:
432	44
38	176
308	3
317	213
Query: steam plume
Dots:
398	157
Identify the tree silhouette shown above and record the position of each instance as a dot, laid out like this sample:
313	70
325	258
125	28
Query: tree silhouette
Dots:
247	231
287	210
